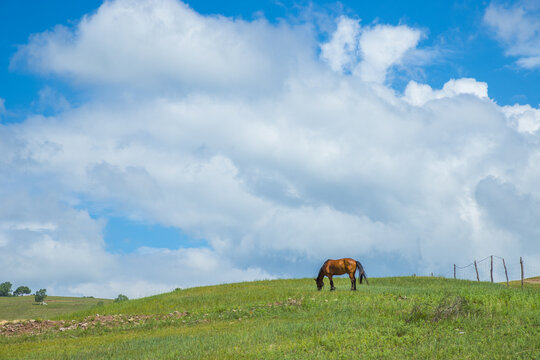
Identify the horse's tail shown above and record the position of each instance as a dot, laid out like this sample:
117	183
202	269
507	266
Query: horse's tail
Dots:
361	272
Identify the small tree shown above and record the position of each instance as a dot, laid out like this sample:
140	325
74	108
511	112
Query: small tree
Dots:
121	297
5	289
40	295
21	290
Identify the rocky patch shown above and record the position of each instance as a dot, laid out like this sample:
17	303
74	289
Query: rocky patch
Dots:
31	327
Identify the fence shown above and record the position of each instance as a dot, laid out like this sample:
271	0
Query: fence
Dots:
492	267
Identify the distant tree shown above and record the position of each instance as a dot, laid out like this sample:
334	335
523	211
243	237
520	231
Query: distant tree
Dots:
21	290
5	289
121	297
40	295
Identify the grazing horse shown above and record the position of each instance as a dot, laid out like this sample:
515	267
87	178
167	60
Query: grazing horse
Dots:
340	267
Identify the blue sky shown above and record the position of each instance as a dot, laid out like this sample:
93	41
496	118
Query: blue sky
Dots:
140	138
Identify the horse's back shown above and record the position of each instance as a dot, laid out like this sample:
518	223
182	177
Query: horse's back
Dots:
340	266
343	260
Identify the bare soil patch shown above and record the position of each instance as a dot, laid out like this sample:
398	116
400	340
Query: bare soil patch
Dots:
30	327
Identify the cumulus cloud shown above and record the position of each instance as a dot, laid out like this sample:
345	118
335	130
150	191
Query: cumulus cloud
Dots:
524	118
368	52
165	44
419	94
383	46
517	27
330	163
341	52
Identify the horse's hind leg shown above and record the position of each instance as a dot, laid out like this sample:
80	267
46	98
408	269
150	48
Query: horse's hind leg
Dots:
353	281
332	287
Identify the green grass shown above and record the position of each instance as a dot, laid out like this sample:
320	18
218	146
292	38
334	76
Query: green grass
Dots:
393	318
24	307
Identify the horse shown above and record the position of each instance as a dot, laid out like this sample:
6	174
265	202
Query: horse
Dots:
340	267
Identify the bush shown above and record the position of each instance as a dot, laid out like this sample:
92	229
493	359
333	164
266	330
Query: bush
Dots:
121	297
5	289
40	295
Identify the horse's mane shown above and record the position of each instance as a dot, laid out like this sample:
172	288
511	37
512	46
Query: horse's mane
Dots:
321	275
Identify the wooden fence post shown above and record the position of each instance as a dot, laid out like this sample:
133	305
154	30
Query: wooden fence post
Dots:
505	273
521	262
454	271
476	268
491	270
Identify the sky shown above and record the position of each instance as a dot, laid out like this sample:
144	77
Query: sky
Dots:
154	144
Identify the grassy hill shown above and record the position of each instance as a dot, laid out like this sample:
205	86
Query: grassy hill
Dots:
406	317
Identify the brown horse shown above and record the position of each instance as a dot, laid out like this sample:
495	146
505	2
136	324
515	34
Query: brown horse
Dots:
340	267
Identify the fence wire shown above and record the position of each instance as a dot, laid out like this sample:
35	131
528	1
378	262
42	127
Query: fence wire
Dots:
483	266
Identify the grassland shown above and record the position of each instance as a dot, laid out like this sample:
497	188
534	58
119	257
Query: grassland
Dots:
533	283
24	307
393	318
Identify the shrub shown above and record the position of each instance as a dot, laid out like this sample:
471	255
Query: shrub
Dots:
452	309
40	295
417	313
121	297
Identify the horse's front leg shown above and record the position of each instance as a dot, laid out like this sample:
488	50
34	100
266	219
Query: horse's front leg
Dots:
331	284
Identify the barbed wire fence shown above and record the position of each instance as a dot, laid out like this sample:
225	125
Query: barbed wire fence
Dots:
494	268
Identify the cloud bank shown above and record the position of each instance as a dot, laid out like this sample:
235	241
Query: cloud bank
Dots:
278	151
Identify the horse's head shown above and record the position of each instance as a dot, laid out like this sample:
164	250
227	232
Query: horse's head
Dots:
319	283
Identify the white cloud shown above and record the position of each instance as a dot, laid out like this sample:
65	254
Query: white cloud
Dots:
329	164
368	52
70	257
164	44
419	94
31	226
524	117
383	46
518	28
152	271
48	242
341	52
